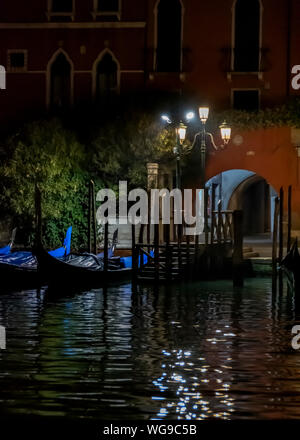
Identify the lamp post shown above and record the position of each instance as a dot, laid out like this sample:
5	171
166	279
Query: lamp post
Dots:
180	138
225	135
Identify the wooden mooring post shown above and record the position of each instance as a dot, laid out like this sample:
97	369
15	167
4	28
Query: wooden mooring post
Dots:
134	255
38	217
92	222
106	246
156	252
274	238
237	255
280	253
289	231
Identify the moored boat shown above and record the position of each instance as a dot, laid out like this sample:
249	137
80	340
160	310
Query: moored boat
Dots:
20	268
80	269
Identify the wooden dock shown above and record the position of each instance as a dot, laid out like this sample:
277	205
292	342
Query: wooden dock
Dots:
216	253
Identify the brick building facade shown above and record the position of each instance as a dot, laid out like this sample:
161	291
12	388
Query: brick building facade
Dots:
228	53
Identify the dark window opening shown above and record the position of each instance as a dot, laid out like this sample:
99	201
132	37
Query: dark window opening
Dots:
247	30
107	77
62	5
108	5
60	82
17	60
246	100
168	53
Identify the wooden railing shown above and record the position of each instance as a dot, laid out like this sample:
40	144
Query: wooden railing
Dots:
221	227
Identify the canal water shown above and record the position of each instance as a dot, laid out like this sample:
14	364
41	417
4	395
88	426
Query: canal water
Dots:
193	351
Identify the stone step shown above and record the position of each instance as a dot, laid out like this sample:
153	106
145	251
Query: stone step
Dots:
247	255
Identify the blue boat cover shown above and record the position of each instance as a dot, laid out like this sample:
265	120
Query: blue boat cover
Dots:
66	248
127	261
28	260
5	250
20	259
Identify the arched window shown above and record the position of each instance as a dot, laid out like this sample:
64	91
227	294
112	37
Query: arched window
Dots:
168	53
60	82
247	35
106	76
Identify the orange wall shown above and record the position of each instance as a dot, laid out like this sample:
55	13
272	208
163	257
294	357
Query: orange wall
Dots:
267	152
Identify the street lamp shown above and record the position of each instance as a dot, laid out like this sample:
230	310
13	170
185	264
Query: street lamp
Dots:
225	135
180	131
180	138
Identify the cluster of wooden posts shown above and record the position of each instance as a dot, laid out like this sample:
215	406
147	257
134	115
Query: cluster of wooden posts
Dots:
217	253
92	228
278	229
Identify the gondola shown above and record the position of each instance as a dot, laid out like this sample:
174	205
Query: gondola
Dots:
84	270
80	269
291	266
20	268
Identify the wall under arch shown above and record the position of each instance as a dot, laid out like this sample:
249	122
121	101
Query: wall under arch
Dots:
269	153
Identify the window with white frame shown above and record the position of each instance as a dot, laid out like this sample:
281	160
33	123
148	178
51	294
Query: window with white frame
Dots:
17	60
107	8
61	9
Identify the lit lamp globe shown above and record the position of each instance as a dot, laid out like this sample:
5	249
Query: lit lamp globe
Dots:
181	132
203	114
225	132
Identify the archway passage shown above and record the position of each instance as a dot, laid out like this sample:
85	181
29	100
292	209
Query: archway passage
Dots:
251	193
60	95
269	153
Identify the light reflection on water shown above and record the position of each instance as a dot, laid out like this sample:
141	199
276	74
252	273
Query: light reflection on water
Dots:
193	352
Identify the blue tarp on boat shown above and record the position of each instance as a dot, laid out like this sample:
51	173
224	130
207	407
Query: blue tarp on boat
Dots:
66	248
5	250
127	261
21	259
28	260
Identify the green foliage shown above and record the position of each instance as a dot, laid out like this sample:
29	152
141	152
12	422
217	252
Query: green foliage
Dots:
122	149
285	115
47	155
